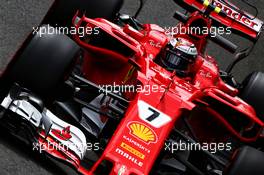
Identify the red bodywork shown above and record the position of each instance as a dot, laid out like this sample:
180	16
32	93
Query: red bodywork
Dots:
137	141
245	23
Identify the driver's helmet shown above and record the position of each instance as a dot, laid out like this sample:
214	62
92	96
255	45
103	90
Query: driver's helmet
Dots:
178	55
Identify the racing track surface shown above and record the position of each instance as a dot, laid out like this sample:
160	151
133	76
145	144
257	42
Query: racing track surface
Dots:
18	17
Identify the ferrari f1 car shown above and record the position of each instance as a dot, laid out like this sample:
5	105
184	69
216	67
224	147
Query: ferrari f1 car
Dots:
128	98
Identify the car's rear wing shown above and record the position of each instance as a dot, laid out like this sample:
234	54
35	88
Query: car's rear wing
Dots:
228	14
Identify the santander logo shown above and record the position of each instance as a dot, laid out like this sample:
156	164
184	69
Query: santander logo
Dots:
238	16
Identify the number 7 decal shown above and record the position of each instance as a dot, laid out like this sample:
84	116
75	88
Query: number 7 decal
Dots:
151	115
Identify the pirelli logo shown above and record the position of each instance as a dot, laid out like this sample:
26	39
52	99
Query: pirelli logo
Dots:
132	150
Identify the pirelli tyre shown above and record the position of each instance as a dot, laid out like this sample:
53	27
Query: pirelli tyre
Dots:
62	11
246	160
43	62
253	92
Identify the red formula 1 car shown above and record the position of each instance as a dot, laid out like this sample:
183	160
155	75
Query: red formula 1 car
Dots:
130	99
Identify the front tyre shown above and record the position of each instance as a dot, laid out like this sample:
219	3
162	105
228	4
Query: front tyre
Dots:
253	92
43	63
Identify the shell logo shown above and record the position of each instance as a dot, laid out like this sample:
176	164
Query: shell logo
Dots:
142	132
